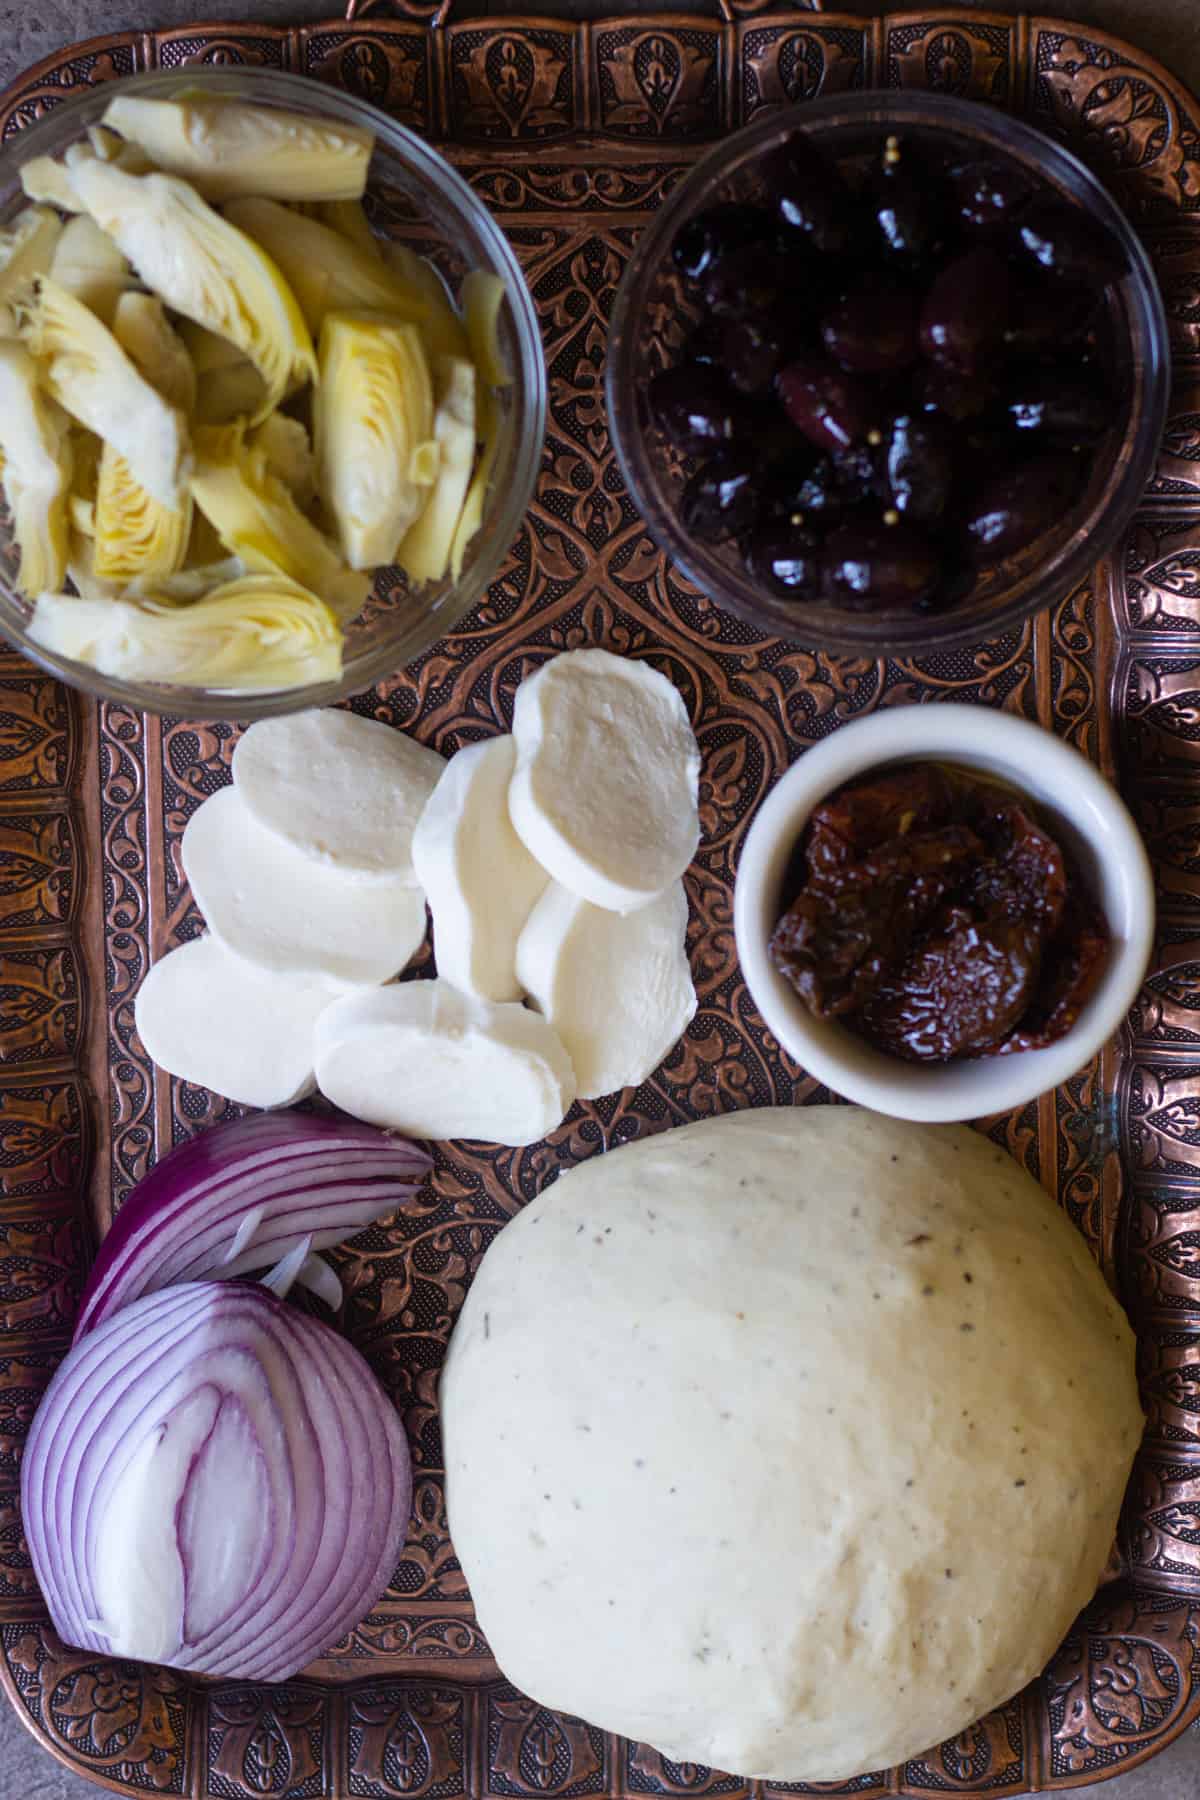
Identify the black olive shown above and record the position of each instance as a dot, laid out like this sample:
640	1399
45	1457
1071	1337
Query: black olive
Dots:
785	558
952	393
1057	405
906	203
712	234
809	195
872	564
989	194
695	407
752	349
1069	244
873	328
1016	505
966	309
919	467
721	499
832	408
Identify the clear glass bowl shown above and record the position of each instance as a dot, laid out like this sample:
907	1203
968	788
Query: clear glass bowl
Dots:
653	312
413	195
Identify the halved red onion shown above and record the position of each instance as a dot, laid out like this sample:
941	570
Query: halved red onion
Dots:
214	1481
241	1197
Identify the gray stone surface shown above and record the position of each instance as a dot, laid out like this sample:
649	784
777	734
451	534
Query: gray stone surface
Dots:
1171	28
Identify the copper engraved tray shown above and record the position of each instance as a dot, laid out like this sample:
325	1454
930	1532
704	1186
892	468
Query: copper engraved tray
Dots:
573	133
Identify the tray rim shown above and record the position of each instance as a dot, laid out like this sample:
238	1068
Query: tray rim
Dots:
734	26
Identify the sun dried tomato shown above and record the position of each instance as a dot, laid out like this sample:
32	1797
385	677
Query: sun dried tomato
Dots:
933	912
840	936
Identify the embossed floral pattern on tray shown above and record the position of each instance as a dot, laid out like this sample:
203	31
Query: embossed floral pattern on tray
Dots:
93	802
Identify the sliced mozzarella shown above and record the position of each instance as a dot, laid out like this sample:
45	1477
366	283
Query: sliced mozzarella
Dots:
270	903
617	989
605	789
478	877
424	1059
346	791
220	1022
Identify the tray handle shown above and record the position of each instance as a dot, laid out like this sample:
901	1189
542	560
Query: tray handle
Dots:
435	13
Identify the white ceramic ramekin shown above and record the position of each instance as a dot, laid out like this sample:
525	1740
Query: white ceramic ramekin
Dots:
1074	799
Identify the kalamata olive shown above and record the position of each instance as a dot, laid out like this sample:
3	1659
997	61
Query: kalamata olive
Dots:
952	393
802	487
870	564
752	350
832	409
989	194
712	234
721	499
1069	407
1047	315
809	194
1069	244
1017	504
966	310
706	344
918	466
785	558
904	200
751	281
873	328
858	473
695	407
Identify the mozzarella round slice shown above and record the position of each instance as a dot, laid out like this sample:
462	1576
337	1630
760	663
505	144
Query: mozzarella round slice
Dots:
617	989
343	790
424	1059
273	905
220	1022
478	877
605	789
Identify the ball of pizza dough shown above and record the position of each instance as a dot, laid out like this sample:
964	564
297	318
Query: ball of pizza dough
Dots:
789	1442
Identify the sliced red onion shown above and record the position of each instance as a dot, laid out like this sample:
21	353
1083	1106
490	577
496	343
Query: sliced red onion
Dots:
242	1197
214	1481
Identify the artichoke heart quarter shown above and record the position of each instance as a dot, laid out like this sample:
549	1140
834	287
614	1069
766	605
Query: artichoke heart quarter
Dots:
26	251
326	272
135	533
35	442
250	635
90	375
226	148
88	264
257	519
372	409
202	266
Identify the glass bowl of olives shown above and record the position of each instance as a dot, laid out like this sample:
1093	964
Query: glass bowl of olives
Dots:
887	373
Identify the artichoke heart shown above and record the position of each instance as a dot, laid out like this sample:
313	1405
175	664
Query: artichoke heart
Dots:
289	455
325	271
488	424
135	533
226	148
250	635
228	385
141	327
257	519
348	219
441	328
373	407
88	264
26	251
424	552
483	297
35	440
90	375
205	268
